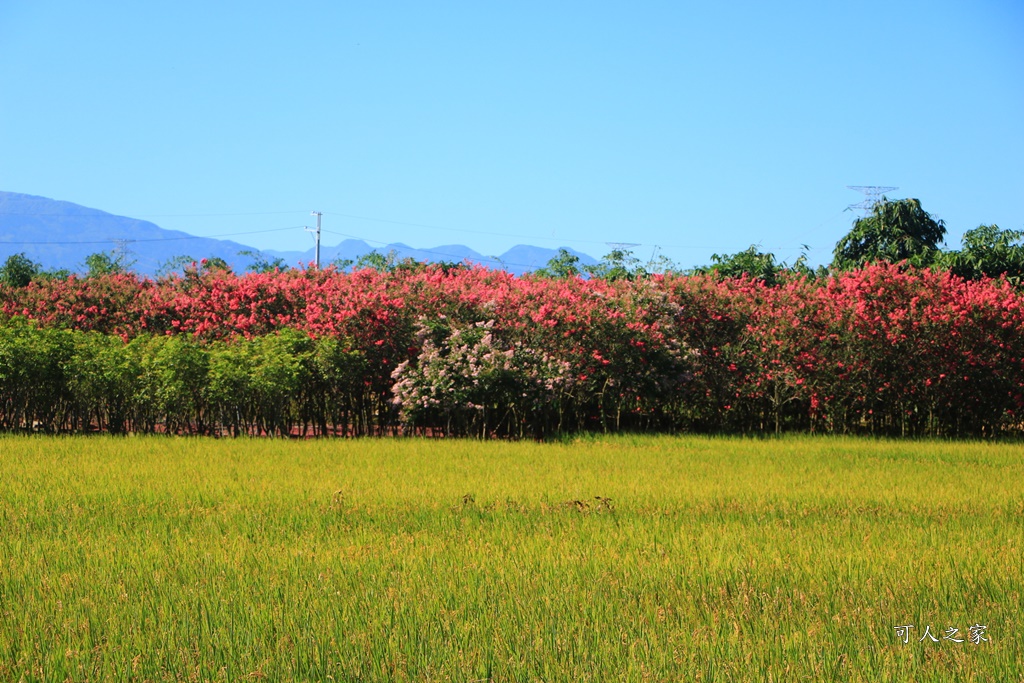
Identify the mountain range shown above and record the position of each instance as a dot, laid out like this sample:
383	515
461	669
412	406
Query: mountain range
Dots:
60	235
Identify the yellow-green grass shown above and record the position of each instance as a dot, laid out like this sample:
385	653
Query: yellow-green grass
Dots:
389	560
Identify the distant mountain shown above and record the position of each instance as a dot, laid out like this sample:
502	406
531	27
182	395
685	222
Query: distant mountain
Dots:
60	234
529	258
517	260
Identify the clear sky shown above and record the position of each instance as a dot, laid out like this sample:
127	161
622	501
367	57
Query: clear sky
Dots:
694	127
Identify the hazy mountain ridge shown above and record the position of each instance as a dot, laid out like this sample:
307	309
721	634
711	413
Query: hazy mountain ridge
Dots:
519	259
60	234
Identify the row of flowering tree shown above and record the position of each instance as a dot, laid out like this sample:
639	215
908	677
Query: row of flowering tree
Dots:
469	351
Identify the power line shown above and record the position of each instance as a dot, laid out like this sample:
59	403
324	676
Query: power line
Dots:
96	213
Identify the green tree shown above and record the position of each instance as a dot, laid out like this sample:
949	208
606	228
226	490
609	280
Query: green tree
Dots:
988	251
563	265
214	264
750	262
191	269
451	266
618	264
262	264
106	263
895	231
662	264
176	375
174	264
18	270
338	392
342	264
754	263
279	370
386	263
54	274
34	367
106	382
375	260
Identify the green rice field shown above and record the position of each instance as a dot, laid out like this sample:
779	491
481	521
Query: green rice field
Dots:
604	559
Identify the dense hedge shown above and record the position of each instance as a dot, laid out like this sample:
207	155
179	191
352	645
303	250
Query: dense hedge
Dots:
472	351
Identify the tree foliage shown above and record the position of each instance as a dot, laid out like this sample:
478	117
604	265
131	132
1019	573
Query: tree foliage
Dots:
18	270
988	251
106	263
563	265
261	263
895	231
757	265
618	264
176	265
750	262
382	263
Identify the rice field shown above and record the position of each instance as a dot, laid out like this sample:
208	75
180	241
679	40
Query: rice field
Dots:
604	559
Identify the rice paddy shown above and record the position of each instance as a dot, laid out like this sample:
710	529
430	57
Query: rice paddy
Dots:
604	559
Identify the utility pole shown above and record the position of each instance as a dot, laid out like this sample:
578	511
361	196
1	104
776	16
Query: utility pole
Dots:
318	214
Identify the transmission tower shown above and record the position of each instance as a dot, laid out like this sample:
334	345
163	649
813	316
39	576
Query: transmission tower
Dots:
872	195
121	250
622	246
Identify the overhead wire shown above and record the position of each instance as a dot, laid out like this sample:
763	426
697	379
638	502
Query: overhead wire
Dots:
96	213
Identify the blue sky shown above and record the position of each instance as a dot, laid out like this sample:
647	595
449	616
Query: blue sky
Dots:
692	128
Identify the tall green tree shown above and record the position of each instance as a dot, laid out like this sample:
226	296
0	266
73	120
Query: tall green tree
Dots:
18	270
895	231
